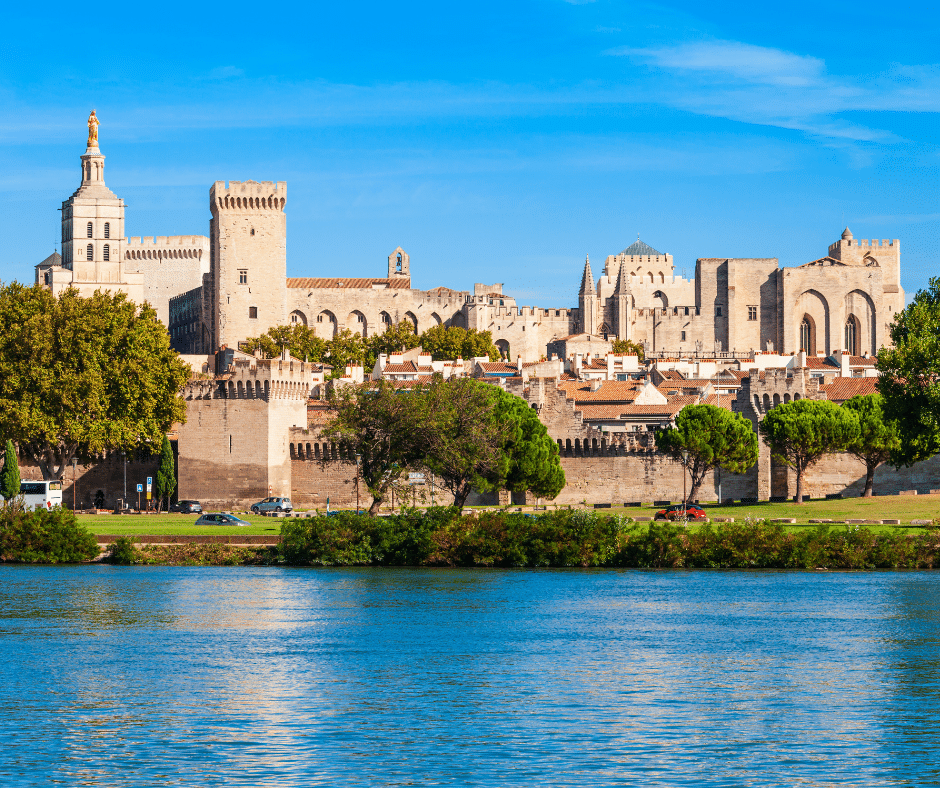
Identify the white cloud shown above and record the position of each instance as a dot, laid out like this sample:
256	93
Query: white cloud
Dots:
762	65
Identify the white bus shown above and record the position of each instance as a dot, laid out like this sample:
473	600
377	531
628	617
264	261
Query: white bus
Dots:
41	495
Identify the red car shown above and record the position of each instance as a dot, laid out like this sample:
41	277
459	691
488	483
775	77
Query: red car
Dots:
675	512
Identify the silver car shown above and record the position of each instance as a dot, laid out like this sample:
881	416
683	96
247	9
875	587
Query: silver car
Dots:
218	518
272	505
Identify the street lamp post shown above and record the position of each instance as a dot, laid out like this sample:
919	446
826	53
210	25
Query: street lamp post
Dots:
685	467
358	459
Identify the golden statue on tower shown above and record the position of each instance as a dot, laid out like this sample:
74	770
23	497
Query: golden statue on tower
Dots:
92	130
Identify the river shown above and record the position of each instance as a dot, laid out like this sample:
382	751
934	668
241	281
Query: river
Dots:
131	676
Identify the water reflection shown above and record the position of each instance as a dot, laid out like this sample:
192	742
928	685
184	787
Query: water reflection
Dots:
199	676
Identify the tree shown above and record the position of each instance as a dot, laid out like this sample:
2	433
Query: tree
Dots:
380	425
532	463
300	341
909	377
462	439
449	343
82	376
625	347
10	475
877	437
346	349
395	339
800	432
166	474
714	438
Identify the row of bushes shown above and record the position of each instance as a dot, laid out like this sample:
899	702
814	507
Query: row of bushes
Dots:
443	537
44	537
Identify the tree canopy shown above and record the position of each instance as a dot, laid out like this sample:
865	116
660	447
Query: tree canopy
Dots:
714	438
625	347
799	433
470	434
10	475
84	375
909	377
877	438
444	343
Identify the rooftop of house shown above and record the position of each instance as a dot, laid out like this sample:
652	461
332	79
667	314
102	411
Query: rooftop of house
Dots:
360	283
843	389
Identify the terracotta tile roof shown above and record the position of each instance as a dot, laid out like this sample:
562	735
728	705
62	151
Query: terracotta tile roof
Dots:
861	361
672	374
816	362
721	400
408	366
498	366
609	391
338	281
607	412
842	389
683	399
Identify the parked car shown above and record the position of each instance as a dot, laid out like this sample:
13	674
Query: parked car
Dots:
219	518
187	507
272	505
675	512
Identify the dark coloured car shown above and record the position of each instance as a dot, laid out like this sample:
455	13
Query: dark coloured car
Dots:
682	512
187	507
219	518
272	505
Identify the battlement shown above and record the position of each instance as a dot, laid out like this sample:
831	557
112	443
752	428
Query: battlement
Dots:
283	378
191	247
671	312
863	243
253	196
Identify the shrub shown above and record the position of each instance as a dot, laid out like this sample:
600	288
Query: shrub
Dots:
123	551
45	537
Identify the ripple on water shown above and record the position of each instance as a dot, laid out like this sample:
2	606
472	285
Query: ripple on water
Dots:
257	677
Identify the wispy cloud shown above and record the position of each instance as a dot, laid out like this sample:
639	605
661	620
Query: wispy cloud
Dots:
762	65
774	87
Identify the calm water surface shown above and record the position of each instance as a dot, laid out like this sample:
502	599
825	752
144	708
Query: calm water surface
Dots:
119	676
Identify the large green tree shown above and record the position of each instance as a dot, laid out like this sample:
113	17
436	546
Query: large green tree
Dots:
446	343
462	438
799	433
713	438
395	339
166	474
877	437
10	475
300	340
380	425
909	377
82	376
531	456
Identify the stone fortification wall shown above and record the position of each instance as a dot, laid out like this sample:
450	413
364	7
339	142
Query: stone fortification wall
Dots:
106	475
170	265
844	474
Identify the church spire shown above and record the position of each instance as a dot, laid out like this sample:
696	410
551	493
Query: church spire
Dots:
587	281
623	285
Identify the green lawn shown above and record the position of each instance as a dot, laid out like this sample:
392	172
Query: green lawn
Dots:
882	507
902	507
178	524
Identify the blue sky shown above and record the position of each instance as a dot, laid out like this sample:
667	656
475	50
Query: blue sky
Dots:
493	141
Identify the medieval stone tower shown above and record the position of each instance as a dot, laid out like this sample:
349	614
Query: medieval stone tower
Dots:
398	265
247	259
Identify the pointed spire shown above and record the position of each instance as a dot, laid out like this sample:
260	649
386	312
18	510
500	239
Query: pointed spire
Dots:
587	281
623	284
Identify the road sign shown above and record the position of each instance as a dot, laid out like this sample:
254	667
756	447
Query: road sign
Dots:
149	483
140	488
415	478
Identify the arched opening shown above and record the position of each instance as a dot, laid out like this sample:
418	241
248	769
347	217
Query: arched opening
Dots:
776	400
398	262
662	277
412	319
458	320
325	326
649	275
503	347
814	308
298	318
91	230
435	318
767	402
660	299
356	322
604	331
90	252
106	252
386	320
852	335
808	336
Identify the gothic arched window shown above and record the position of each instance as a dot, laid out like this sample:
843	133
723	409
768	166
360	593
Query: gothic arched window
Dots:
851	336
91	230
90	252
807	343
106	253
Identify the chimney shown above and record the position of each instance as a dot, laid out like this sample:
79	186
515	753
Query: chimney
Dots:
610	366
